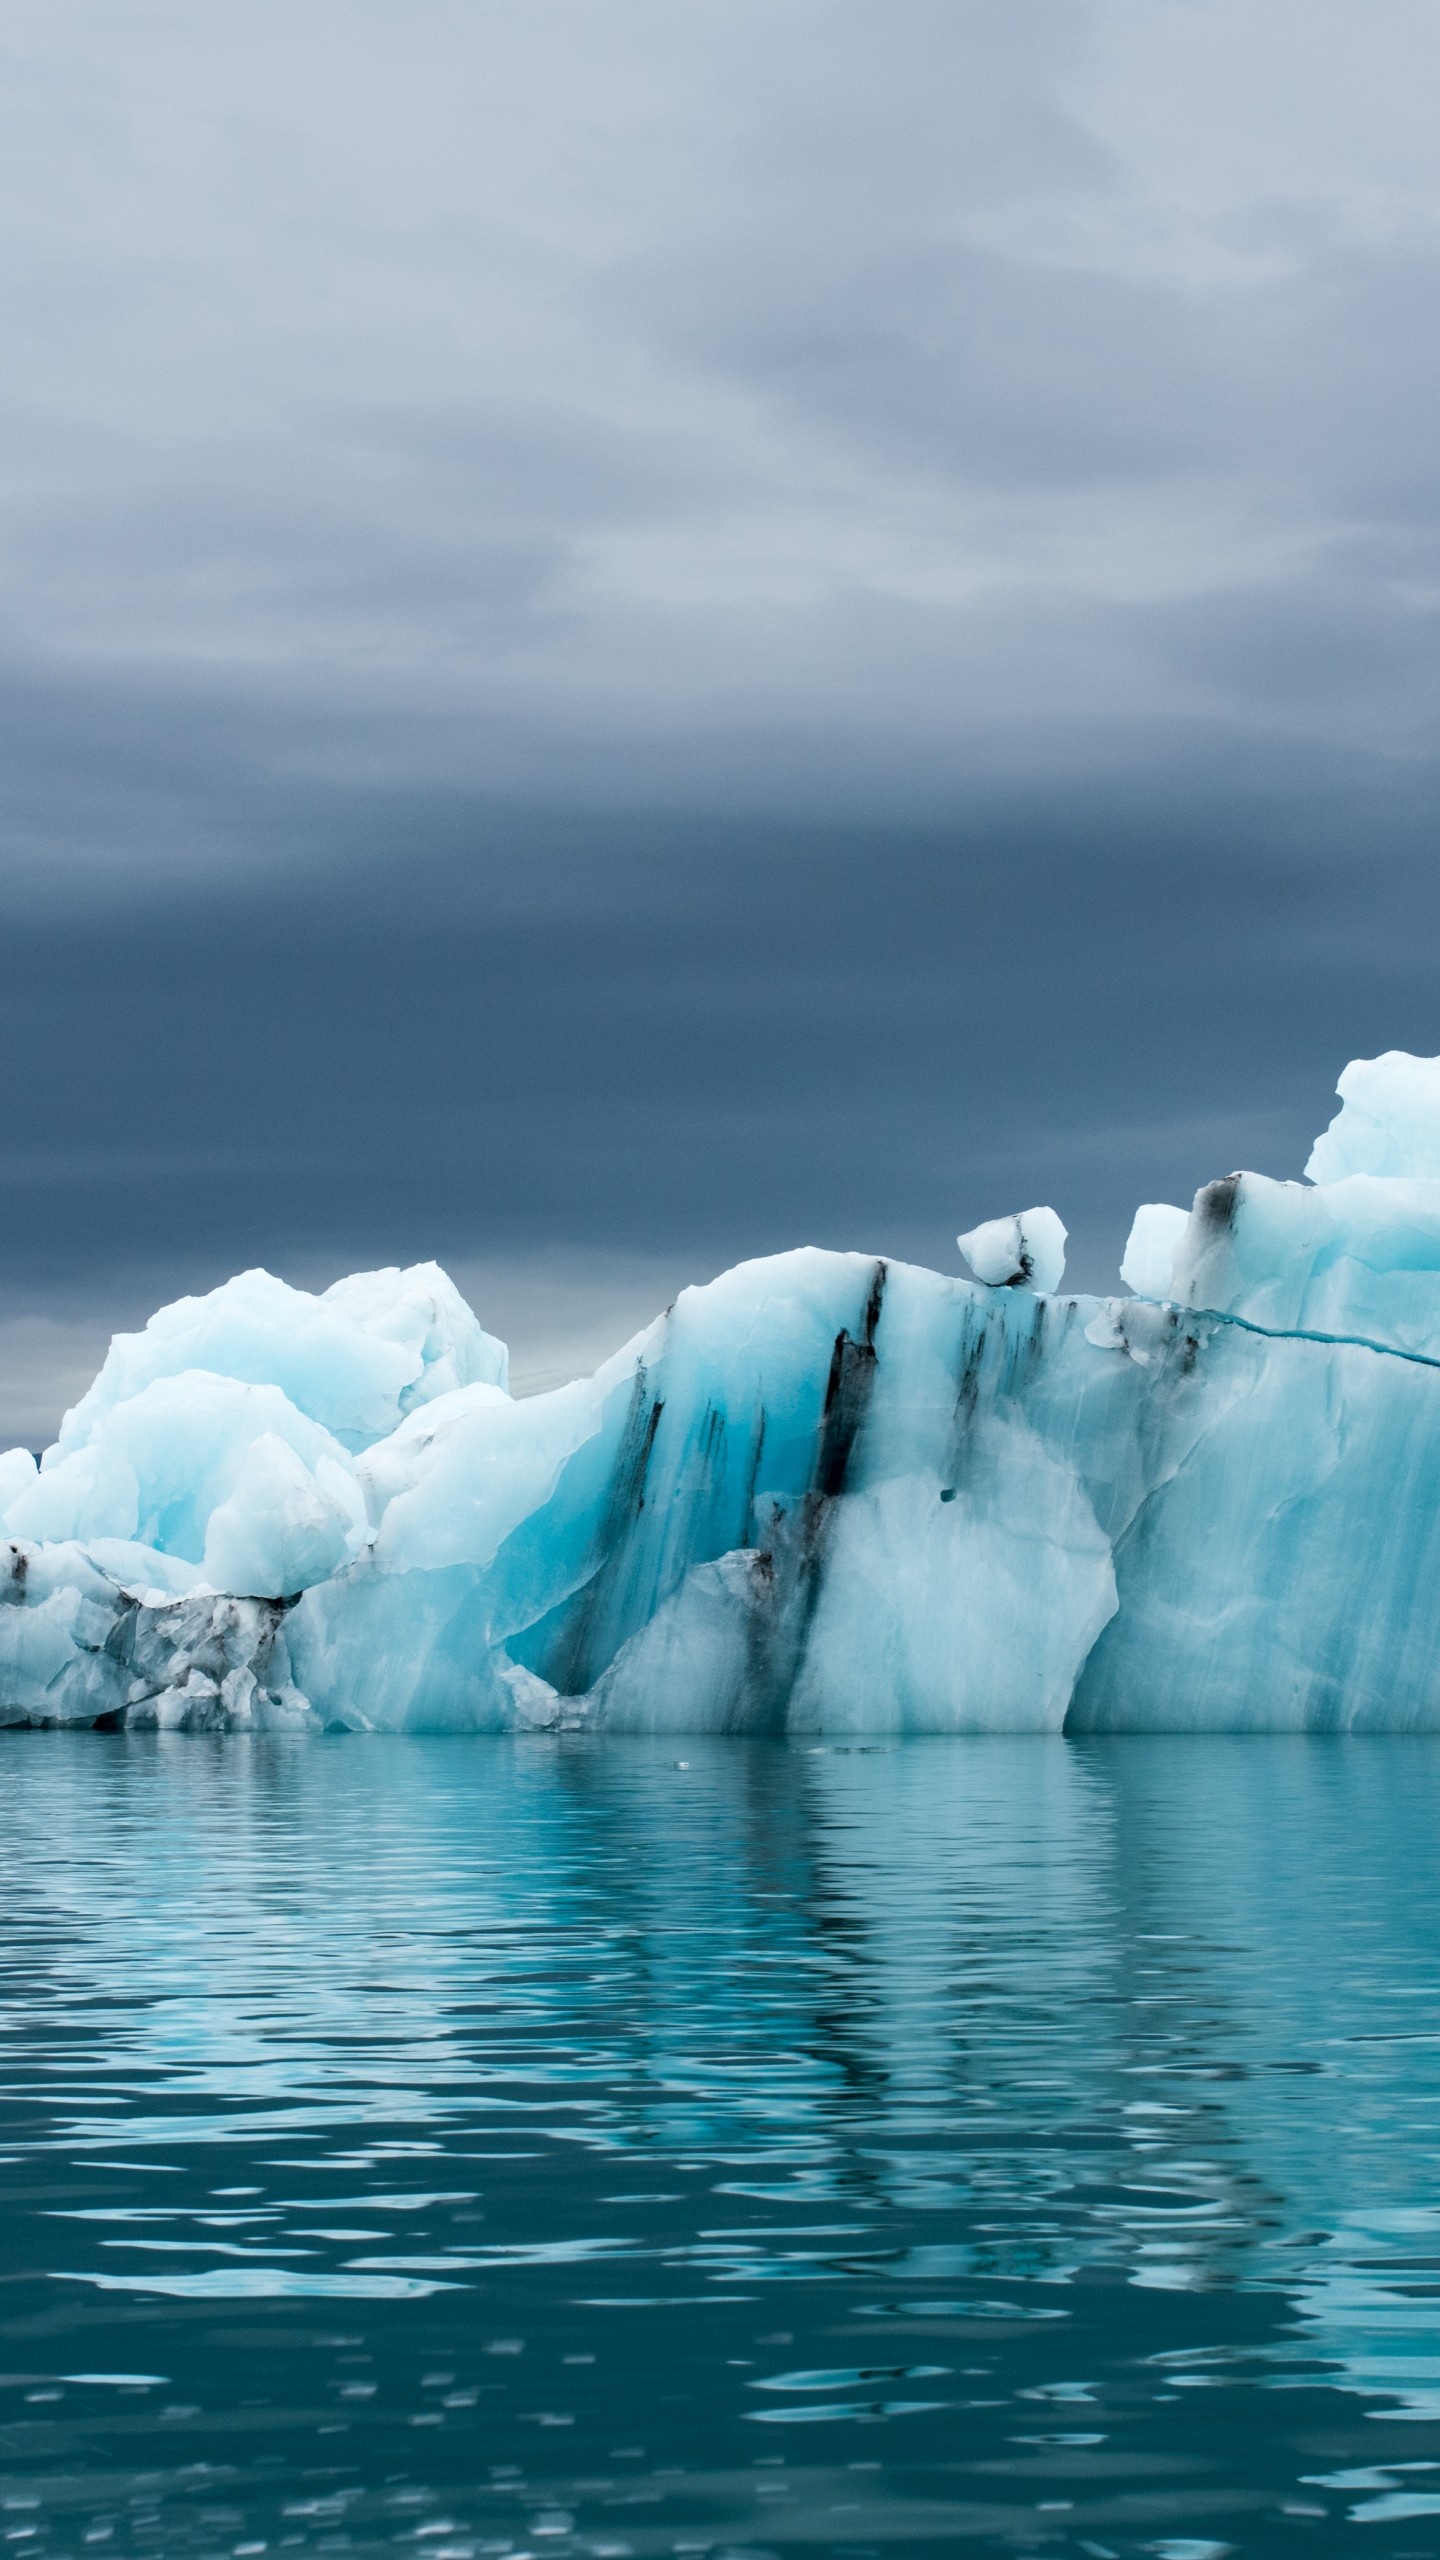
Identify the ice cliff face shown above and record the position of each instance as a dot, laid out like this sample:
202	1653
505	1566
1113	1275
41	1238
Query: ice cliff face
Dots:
826	1492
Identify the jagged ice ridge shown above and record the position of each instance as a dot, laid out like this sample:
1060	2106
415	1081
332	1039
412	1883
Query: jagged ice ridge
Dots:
825	1493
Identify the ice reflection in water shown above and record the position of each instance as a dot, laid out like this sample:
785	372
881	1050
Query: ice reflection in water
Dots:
467	2147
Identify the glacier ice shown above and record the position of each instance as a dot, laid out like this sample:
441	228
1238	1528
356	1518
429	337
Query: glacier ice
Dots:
827	1492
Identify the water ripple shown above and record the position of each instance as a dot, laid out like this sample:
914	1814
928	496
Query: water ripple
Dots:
497	2148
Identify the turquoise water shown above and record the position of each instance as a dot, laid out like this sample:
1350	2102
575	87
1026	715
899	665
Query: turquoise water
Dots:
568	2147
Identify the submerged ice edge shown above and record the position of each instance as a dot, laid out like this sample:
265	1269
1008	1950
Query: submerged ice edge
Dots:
825	1492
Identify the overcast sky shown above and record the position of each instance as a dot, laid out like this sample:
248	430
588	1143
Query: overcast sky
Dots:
633	634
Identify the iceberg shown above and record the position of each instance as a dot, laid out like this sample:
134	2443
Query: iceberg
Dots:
827	1492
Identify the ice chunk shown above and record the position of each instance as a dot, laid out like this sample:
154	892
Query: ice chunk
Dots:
455	1480
281	1527
1388	1122
94	1494
18	1471
422	1311
1149	1265
355	1360
1026	1251
57	1610
83	1637
155	1468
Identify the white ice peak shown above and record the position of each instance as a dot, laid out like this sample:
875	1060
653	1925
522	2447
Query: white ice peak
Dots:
1388	1122
1026	1251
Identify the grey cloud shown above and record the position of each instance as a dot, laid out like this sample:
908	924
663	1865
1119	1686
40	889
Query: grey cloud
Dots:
675	374
627	635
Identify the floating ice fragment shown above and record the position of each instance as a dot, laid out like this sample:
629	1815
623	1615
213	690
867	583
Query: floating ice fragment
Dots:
1149	1264
1026	1251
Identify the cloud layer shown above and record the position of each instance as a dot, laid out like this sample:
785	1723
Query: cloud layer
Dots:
661	629
729	401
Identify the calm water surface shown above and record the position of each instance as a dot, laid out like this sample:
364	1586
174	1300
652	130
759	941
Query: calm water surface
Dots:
576	2147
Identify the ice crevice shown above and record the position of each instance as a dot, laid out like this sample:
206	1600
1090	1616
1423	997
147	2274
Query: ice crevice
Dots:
826	1492
1308	1333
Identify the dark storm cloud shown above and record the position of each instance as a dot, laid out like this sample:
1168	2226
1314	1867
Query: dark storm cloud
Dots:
474	1027
650	631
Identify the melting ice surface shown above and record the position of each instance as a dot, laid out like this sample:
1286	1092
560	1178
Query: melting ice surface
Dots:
827	1493
617	2149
